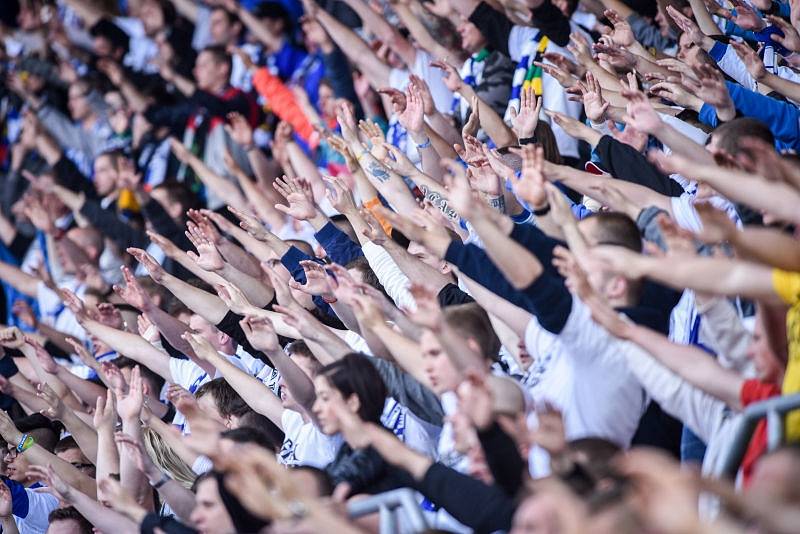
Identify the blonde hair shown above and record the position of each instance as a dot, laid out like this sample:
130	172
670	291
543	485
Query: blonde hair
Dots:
167	459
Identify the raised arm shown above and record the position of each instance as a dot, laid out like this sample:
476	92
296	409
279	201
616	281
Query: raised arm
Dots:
261	334
385	32
85	436
201	302
358	51
20	280
133	346
37	455
389	184
227	190
692	364
252	390
721	276
418	30
775	198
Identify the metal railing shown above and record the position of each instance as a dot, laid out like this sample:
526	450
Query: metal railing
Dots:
774	410
389	505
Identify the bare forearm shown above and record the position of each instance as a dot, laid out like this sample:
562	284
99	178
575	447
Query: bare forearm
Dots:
181	500
446	134
431	156
259	30
187	8
56	337
103	518
9	525
252	391
406	353
133	346
107	455
135	99
22	282
183	259
28	399
7	230
85	436
302	163
296	379
256	291
263	250
491	122
397	453
203	303
263	199
714	275
680	144
703	18
357	51
71	475
172	329
768	246
240	259
227	190
373	22
86	391
131	479
389	184
787	88
172	439
692	364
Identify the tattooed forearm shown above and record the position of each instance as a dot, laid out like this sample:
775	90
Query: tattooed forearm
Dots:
498	203
439	202
377	170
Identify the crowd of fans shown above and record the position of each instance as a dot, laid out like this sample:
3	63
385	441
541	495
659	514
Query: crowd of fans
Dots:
530	259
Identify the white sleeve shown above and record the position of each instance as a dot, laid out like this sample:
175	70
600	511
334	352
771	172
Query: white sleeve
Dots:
584	337
790	74
391	277
181	371
684	213
724	331
692	132
39	507
696	409
733	66
202	464
398	79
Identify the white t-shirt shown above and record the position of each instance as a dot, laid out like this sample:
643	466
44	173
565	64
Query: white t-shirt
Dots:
54	312
142	49
305	444
407	427
580	373
446	449
202	464
30	508
442	96
255	367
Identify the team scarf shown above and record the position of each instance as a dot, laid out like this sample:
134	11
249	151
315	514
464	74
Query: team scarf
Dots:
527	74
472	74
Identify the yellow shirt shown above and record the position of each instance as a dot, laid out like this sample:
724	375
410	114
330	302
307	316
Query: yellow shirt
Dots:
787	286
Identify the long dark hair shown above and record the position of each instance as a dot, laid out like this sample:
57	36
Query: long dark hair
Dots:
354	374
